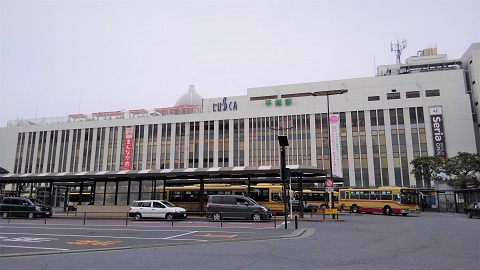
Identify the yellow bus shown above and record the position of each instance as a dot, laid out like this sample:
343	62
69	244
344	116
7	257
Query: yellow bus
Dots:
386	200
316	200
269	195
188	197
76	199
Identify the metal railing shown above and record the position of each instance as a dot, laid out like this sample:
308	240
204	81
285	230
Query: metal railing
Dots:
123	217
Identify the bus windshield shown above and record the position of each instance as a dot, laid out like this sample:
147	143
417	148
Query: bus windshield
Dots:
409	198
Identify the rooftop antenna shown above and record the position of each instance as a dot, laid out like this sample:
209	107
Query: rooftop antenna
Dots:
398	48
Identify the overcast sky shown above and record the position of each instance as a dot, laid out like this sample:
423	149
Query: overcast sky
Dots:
67	57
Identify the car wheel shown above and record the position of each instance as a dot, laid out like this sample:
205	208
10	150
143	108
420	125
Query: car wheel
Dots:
30	215
387	210
355	209
469	214
169	216
256	217
138	216
216	217
5	215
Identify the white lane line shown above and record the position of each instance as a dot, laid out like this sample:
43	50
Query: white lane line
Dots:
35	247
103	236
88	228
219	230
450	215
180	235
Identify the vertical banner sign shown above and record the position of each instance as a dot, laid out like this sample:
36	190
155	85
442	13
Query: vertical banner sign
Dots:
436	116
335	145
127	150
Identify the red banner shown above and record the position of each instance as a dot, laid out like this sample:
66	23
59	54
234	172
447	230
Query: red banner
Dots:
127	149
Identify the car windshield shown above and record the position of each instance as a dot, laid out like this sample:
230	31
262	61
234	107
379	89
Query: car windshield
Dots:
251	201
169	204
37	202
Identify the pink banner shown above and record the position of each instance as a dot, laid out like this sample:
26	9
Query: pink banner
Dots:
335	146
127	149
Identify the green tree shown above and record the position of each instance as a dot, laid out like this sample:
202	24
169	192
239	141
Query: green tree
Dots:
463	170
426	168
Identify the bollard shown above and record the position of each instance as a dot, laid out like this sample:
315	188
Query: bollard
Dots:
296	221
274	220
84	218
126	220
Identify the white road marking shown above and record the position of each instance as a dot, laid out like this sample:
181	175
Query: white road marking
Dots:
88	228
105	236
123	229
29	239
180	235
35	247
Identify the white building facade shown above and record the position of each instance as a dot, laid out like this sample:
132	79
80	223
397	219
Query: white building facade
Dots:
426	107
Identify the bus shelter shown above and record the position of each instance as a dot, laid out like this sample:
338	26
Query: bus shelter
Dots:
122	187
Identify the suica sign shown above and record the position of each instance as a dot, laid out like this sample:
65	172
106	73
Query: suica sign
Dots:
225	106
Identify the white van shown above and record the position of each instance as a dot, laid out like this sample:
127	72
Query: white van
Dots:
156	209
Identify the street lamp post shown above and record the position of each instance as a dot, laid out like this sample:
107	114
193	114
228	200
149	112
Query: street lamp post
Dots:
284	172
328	94
283	141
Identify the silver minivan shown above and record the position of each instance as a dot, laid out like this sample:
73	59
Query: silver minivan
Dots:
156	209
235	207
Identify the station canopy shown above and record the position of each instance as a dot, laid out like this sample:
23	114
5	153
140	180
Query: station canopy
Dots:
214	174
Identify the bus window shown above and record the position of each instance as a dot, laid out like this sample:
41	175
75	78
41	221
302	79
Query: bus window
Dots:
397	198
260	194
276	197
386	195
409	198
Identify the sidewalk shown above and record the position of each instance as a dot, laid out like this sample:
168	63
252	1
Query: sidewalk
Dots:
317	217
308	216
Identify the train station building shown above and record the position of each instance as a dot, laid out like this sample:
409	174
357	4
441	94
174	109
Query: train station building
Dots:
362	131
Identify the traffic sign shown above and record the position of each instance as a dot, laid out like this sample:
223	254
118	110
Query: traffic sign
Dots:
331	211
329	183
329	189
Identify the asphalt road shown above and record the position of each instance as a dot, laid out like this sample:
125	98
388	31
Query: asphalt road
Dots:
427	241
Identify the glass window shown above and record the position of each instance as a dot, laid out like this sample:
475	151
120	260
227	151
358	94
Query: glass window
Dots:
413	94
432	93
260	194
386	195
393	95
147	204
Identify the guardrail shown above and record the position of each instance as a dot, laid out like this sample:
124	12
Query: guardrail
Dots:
126	216
10	214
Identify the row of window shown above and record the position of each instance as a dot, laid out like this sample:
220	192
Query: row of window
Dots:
370	195
88	149
408	94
